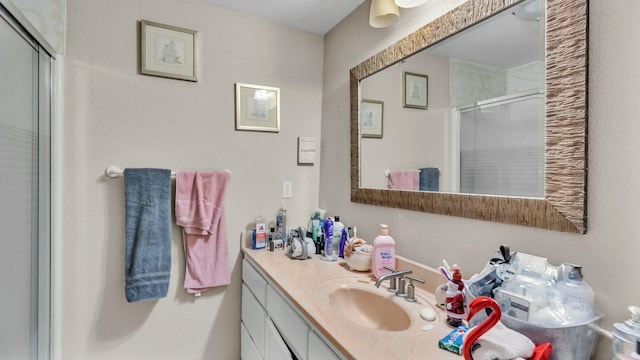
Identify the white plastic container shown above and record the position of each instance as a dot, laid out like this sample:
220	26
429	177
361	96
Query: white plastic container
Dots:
384	252
360	260
625	334
576	295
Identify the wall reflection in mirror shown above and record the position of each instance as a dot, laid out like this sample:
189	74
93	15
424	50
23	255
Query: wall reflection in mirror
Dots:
483	131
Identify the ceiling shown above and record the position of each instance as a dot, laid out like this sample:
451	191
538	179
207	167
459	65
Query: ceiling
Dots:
316	16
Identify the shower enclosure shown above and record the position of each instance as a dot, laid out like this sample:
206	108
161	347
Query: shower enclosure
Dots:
501	146
25	113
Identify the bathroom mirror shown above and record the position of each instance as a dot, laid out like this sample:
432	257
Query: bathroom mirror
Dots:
555	194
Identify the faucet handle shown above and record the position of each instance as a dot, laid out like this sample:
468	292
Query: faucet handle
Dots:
392	281
412	279
390	269
411	289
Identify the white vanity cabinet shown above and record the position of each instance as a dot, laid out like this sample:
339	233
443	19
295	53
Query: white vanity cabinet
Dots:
271	328
318	349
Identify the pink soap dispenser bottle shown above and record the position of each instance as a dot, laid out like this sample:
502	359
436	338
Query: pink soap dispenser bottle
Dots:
384	252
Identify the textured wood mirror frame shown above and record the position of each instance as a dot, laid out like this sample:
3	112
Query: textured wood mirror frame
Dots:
564	205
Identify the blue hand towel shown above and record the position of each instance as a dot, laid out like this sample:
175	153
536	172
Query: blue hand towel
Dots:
148	233
430	179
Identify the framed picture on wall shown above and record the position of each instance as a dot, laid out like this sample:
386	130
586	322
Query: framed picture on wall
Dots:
257	108
415	90
167	51
371	118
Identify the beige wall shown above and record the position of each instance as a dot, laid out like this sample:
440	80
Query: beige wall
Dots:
608	252
114	116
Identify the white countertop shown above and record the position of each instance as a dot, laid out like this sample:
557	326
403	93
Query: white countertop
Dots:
298	280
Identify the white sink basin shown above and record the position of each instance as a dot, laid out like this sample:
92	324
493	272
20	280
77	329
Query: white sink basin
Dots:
364	305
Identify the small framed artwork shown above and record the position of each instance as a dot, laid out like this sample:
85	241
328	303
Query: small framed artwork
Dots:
257	108
371	118
415	90
167	51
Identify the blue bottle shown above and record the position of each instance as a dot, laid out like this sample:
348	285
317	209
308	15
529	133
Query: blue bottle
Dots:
328	240
343	242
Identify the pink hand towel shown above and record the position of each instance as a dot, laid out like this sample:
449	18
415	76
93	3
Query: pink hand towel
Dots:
200	212
404	179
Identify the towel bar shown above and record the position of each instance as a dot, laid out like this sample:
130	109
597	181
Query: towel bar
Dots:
115	171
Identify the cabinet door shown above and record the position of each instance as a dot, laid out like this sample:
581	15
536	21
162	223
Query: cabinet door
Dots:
248	349
275	348
293	329
254	281
318	350
253	318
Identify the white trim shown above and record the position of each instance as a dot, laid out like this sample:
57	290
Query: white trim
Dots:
57	140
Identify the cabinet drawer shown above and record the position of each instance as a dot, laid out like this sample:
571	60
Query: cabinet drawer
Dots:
274	347
253	318
254	281
248	349
292	328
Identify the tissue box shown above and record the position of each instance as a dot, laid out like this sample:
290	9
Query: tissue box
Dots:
514	305
453	341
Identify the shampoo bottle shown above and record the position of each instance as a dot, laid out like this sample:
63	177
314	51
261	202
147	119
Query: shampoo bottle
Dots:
384	252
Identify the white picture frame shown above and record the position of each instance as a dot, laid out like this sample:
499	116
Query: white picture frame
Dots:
168	51
371	118
415	90
257	108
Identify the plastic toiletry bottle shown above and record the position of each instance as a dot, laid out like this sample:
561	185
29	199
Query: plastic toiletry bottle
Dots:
271	236
625	334
315	226
337	234
281	224
630	356
576	295
328	240
384	252
320	243
343	242
260	233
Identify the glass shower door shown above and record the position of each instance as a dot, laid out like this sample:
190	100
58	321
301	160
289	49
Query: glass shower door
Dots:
502	147
24	194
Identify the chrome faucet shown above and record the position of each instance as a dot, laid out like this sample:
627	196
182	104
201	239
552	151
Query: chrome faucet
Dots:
392	277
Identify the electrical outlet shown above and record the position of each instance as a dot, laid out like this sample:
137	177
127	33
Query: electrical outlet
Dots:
287	189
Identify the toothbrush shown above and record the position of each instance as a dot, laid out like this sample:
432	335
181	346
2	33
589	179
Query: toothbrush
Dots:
445	273
446	266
